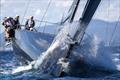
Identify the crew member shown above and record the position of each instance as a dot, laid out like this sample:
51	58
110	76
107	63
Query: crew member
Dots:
8	23
4	23
17	23
30	23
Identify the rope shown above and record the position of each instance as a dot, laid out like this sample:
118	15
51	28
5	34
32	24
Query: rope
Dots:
28	3
45	12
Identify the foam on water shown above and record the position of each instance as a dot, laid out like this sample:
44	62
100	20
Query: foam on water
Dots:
94	50
10	64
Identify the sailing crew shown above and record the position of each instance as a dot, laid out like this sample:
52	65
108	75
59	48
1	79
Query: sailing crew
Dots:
17	23
4	23
8	23
30	23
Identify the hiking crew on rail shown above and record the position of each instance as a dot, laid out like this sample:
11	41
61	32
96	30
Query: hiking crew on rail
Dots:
11	25
30	23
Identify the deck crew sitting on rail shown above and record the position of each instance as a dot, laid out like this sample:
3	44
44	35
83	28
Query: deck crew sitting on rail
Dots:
30	23
17	22
4	23
8	23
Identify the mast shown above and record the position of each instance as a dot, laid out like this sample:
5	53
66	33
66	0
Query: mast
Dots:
89	10
71	12
87	15
74	10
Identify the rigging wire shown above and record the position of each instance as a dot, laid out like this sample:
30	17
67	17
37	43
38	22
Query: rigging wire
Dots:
115	26
28	3
114	31
45	12
107	24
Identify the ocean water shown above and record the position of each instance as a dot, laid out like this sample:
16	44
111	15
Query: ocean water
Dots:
9	62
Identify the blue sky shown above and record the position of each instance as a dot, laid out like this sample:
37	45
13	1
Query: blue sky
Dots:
36	8
109	10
